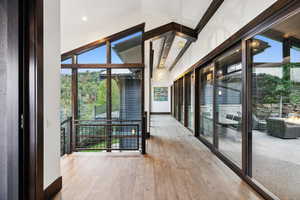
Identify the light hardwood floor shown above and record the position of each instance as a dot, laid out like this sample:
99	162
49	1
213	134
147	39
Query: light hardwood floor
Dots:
177	167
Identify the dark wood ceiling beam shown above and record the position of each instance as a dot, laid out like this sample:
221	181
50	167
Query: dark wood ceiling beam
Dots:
183	50
103	41
182	30
260	21
166	50
212	9
161	50
157	32
185	31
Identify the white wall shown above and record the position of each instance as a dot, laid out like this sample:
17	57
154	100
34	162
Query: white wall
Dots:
230	17
51	91
161	106
161	78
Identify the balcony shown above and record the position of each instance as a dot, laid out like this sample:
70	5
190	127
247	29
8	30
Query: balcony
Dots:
177	166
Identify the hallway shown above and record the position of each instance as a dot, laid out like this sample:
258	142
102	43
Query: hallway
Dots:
177	166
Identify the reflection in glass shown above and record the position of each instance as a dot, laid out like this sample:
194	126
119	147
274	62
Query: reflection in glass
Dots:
189	101
176	95
206	103
228	90
180	103
192	107
127	49
276	109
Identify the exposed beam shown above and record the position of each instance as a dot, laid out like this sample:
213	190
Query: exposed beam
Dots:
181	30
97	66
166	49
261	20
183	50
103	41
161	50
214	6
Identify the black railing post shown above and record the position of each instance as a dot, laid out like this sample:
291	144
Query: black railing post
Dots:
73	136
70	136
62	141
146	126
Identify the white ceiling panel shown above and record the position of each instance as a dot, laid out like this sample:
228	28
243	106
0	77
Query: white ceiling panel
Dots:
107	17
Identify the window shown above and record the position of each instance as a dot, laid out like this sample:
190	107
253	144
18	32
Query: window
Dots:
206	103
126	94
176	95
228	93
67	61
189	100
94	56
276	108
180	101
92	94
127	49
65	93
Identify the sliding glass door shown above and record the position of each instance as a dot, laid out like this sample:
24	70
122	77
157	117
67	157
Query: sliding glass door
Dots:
181	101
248	105
206	91
276	108
189	100
228	107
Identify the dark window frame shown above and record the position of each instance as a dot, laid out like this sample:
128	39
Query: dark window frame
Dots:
278	12
108	66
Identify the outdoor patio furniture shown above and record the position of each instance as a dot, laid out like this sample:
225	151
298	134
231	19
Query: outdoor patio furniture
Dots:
258	124
278	127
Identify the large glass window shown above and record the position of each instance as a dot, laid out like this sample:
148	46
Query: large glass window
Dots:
126	94
228	93
180	101
127	49
67	61
65	93
92	88
206	103
176	95
93	56
189	100
276	108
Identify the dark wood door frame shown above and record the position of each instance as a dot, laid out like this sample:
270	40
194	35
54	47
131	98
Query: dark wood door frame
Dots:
23	20
31	19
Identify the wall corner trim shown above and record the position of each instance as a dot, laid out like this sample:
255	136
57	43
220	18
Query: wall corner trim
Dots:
53	188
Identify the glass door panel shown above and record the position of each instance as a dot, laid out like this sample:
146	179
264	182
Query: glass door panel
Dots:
206	103
276	108
228	93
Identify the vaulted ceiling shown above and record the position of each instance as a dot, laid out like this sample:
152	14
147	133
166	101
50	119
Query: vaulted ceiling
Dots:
84	21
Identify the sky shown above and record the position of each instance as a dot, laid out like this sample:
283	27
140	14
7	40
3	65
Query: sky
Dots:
273	54
98	55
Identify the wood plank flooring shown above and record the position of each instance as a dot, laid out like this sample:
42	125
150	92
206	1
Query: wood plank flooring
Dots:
177	167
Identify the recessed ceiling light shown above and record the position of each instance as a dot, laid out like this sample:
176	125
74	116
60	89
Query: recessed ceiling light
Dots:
181	44
84	18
